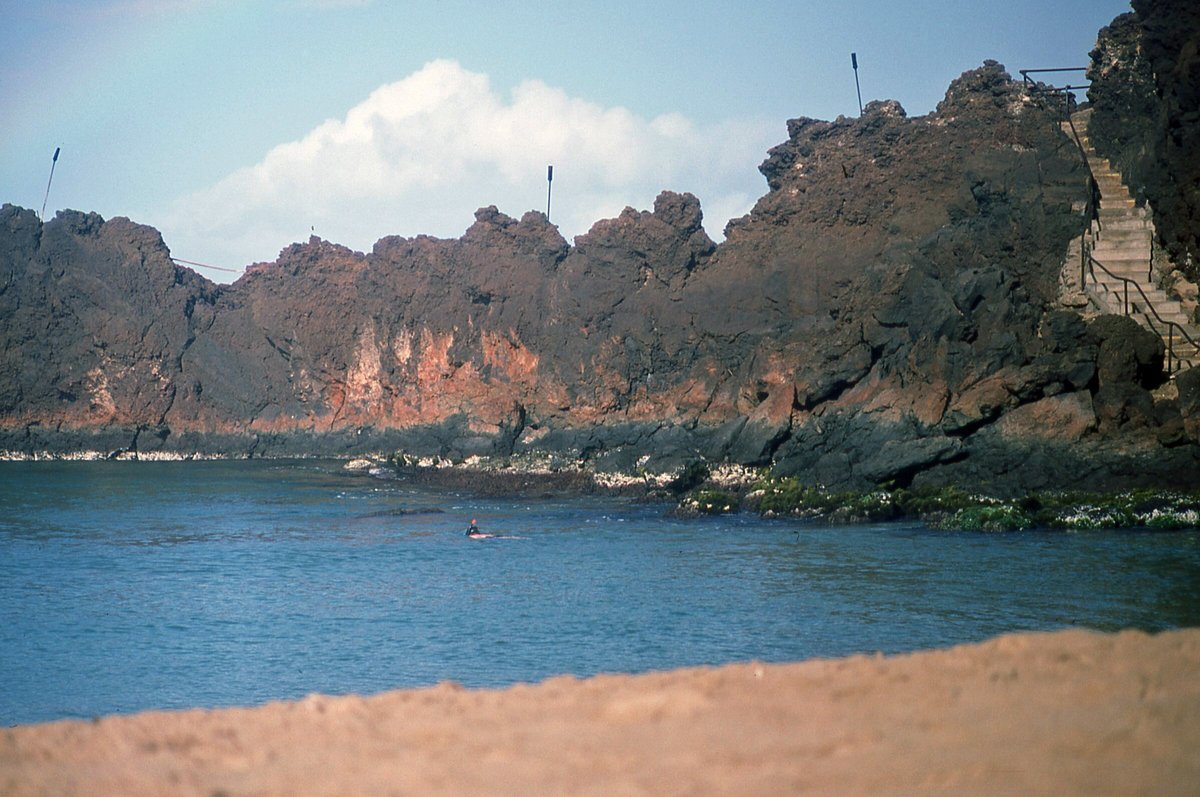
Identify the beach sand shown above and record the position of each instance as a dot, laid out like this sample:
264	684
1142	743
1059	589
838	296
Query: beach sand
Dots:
1071	712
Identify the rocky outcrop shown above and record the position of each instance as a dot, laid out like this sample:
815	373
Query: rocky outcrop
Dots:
95	319
885	314
1145	75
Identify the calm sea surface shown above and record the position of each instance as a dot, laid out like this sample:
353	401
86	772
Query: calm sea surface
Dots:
128	586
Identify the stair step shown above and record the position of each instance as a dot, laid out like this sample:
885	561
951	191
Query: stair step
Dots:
1154	295
1171	316
1139	234
1137	262
1132	227
1138	228
1164	327
1161	324
1116	286
1117	277
1137	270
1162	305
1125	256
1117	282
1109	224
1167	310
1139	266
1117	251
1131	218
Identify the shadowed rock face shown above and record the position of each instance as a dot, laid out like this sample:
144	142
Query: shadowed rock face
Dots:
884	314
95	320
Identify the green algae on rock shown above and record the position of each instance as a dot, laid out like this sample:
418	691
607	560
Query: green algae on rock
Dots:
954	509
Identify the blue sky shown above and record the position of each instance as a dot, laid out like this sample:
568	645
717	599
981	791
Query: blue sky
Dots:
237	128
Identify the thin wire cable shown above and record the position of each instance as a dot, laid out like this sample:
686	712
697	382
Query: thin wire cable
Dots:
206	265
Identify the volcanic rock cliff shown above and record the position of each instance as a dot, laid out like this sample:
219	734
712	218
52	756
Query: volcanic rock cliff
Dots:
1145	75
886	313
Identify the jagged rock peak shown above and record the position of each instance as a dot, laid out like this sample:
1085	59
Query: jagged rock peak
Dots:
492	215
316	253
983	91
131	245
671	235
681	212
888	108
77	222
312	250
532	234
20	227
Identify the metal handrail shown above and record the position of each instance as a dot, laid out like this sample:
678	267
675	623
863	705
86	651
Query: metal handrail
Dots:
1031	83
1171	326
1025	73
1066	90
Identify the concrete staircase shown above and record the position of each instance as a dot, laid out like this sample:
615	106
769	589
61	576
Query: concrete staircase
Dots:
1122	243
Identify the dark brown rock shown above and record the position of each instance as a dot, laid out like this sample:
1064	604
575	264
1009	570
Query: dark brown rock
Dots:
1127	353
1124	404
885	314
1067	417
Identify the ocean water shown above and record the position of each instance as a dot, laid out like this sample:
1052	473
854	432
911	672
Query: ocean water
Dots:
127	586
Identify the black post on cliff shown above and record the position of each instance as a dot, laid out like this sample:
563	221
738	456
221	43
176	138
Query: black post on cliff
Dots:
549	185
46	198
854	63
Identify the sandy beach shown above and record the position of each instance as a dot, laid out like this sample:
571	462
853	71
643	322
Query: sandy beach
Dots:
1071	712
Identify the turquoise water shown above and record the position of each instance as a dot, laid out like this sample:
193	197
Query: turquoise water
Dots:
128	586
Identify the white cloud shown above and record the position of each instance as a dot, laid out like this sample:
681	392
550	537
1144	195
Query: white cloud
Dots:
422	154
